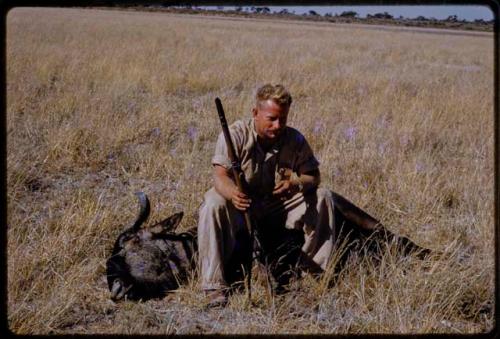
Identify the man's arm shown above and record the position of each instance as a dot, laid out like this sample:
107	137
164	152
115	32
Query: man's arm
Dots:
303	183
309	180
224	184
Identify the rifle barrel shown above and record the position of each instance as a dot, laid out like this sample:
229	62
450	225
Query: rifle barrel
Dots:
239	178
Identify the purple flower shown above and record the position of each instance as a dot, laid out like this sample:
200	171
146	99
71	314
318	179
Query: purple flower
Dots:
318	127
427	227
362	90
472	68
350	133
405	140
192	132
419	167
111	157
155	132
382	147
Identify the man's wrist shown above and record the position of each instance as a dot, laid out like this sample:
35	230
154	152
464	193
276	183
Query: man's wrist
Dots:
298	184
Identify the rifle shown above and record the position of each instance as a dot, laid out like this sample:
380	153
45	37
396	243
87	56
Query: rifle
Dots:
239	178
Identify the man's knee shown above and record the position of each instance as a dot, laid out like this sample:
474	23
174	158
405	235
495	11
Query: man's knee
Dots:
324	194
213	201
210	214
216	212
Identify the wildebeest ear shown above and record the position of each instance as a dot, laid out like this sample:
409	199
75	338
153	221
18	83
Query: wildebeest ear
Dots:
169	224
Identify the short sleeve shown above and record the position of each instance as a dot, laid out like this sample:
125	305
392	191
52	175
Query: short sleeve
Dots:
305	161
221	156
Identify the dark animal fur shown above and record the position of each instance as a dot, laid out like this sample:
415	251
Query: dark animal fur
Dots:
148	262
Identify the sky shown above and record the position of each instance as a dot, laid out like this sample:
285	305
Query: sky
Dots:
464	12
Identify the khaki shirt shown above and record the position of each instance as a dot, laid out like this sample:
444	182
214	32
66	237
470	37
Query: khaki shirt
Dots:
291	153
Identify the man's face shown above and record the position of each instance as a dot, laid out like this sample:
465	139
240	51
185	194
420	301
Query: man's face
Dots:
270	119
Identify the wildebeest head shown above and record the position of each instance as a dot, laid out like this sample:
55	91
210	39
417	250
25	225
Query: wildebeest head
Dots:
148	262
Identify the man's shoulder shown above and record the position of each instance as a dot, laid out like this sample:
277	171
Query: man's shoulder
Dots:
241	124
241	128
294	136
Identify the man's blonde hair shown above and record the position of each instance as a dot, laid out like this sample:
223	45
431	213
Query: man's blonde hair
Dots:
278	93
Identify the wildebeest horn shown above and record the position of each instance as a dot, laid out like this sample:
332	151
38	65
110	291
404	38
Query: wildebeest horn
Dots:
143	212
141	218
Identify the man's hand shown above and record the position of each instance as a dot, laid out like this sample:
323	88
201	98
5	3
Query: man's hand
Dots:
285	188
225	185
240	200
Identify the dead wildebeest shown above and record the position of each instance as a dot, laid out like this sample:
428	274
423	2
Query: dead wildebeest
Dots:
148	262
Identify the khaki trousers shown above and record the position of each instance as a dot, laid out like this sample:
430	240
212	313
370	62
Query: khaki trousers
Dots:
220	222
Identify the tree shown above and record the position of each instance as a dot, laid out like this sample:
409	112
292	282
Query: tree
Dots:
261	9
313	13
384	15
348	14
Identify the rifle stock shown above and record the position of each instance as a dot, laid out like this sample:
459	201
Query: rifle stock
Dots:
239	178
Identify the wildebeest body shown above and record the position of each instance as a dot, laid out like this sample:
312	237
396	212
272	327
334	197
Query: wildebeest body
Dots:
148	262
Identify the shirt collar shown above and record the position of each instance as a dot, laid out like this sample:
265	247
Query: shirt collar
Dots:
276	147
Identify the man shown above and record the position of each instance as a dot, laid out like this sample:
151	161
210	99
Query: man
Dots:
283	177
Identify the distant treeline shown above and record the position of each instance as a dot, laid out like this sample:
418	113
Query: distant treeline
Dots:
451	21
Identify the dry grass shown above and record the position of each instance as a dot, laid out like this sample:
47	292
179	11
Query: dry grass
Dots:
101	104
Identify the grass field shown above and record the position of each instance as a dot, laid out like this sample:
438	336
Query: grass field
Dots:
101	104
